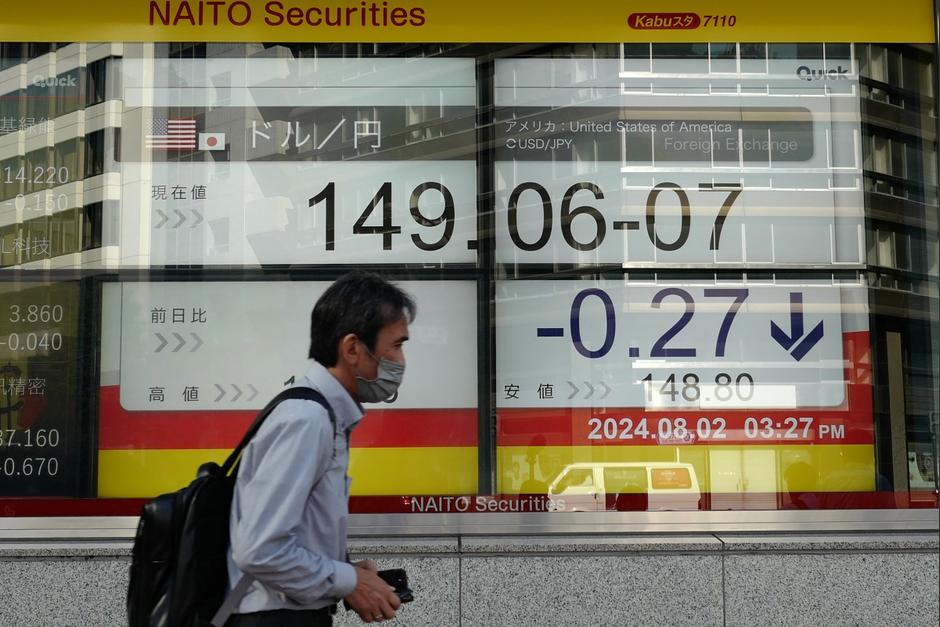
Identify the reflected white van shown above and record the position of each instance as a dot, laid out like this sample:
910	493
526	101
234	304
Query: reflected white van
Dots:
626	486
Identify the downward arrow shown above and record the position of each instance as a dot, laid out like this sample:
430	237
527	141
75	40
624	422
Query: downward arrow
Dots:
796	323
796	330
808	342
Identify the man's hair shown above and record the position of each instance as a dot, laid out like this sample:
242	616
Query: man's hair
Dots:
360	303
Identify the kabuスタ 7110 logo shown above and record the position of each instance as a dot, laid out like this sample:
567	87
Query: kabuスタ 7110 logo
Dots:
679	21
664	21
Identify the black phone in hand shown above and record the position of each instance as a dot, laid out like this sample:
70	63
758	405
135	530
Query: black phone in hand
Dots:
398	579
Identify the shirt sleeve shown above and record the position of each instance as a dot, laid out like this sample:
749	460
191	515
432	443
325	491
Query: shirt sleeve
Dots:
285	457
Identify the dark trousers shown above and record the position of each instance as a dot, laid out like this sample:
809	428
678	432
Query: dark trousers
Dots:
282	618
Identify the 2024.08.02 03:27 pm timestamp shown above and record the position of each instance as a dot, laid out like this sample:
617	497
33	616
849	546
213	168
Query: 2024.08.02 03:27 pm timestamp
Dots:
679	430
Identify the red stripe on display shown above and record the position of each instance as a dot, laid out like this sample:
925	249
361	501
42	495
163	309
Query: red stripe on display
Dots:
851	423
626	427
523	503
408	504
42	507
123	429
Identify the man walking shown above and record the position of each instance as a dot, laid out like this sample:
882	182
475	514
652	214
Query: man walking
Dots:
290	507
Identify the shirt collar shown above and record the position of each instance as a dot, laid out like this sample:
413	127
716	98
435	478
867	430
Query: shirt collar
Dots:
347	410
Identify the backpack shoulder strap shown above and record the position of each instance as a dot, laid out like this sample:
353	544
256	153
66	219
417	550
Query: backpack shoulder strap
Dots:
301	393
232	600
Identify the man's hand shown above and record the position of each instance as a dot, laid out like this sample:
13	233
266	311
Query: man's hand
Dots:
367	564
373	599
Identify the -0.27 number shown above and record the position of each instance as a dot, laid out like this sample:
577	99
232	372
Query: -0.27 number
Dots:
659	348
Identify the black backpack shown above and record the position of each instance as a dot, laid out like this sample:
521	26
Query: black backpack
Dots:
179	574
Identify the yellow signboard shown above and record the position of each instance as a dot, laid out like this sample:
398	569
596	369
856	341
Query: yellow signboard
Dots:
404	21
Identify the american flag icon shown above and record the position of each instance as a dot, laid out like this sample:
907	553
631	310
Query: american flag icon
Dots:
173	134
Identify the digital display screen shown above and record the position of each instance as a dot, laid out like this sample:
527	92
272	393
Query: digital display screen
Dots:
43	439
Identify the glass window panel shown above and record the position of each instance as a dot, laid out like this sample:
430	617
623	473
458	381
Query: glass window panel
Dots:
878	63
69	91
753	58
96	82
664	277
10	244
68	160
39	172
724	57
11	55
39	103
94	154
11	108
92	225
12	177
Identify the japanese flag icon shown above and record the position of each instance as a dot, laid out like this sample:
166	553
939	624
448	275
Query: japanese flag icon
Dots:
211	141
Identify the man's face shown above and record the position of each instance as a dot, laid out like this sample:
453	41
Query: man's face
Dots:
389	344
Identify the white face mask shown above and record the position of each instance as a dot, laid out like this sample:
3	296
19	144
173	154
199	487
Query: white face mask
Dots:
384	387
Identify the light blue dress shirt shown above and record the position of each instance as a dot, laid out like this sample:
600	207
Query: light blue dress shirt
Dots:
290	508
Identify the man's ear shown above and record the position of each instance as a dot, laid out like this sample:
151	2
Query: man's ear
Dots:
349	349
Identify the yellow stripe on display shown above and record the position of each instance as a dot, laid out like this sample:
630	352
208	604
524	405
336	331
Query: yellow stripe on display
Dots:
414	470
403	21
720	469
374	471
128	473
